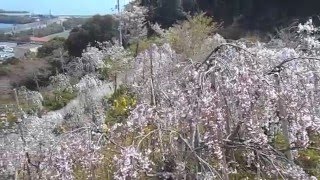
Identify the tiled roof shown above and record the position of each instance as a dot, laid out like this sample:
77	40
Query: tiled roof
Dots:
37	39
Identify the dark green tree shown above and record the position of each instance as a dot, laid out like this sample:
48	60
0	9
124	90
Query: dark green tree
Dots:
265	15
164	12
77	41
48	48
96	29
190	6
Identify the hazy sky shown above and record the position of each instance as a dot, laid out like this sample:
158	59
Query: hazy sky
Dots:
61	7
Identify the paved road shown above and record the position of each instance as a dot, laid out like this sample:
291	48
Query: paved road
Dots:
23	27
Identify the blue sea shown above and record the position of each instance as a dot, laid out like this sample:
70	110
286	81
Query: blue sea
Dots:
5	26
61	7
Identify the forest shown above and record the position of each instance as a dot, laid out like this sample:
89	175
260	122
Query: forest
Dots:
254	14
155	92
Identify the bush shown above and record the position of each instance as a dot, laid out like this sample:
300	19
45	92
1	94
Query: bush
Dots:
121	102
310	161
4	70
9	123
58	100
144	44
280	143
12	61
96	29
309	158
48	48
188	37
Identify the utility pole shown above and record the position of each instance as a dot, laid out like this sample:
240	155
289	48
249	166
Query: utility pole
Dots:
16	98
120	24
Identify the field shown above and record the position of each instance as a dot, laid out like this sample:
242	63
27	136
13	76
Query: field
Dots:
64	34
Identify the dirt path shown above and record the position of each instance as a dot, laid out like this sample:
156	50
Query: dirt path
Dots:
97	94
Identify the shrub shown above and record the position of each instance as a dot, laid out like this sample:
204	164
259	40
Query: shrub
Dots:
189	36
310	161
4	70
94	30
280	142
48	48
120	103
144	44
59	100
10	121
12	61
12	118
309	158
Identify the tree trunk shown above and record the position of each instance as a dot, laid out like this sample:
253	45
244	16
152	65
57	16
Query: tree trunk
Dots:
153	98
115	82
283	117
137	49
16	98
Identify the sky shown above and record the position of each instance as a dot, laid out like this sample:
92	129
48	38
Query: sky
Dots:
62	7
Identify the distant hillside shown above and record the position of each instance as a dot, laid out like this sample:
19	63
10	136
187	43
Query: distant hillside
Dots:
13	12
15	19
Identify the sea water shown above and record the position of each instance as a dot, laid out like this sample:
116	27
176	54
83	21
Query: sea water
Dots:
5	26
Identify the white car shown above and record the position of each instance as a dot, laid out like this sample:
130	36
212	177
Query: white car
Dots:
5	48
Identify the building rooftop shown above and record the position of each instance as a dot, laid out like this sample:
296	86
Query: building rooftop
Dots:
39	40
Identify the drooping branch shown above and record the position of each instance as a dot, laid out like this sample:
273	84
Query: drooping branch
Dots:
219	48
278	68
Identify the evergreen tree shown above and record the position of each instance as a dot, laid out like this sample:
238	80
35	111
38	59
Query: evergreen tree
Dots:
165	12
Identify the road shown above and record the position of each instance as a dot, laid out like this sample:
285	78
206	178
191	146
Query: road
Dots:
64	34
35	25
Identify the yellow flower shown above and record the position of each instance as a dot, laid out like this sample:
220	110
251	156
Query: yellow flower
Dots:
105	128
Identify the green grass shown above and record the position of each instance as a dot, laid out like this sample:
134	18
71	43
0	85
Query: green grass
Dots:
58	100
64	34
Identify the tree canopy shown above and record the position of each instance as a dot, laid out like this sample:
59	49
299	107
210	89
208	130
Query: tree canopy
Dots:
97	29
48	48
254	14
